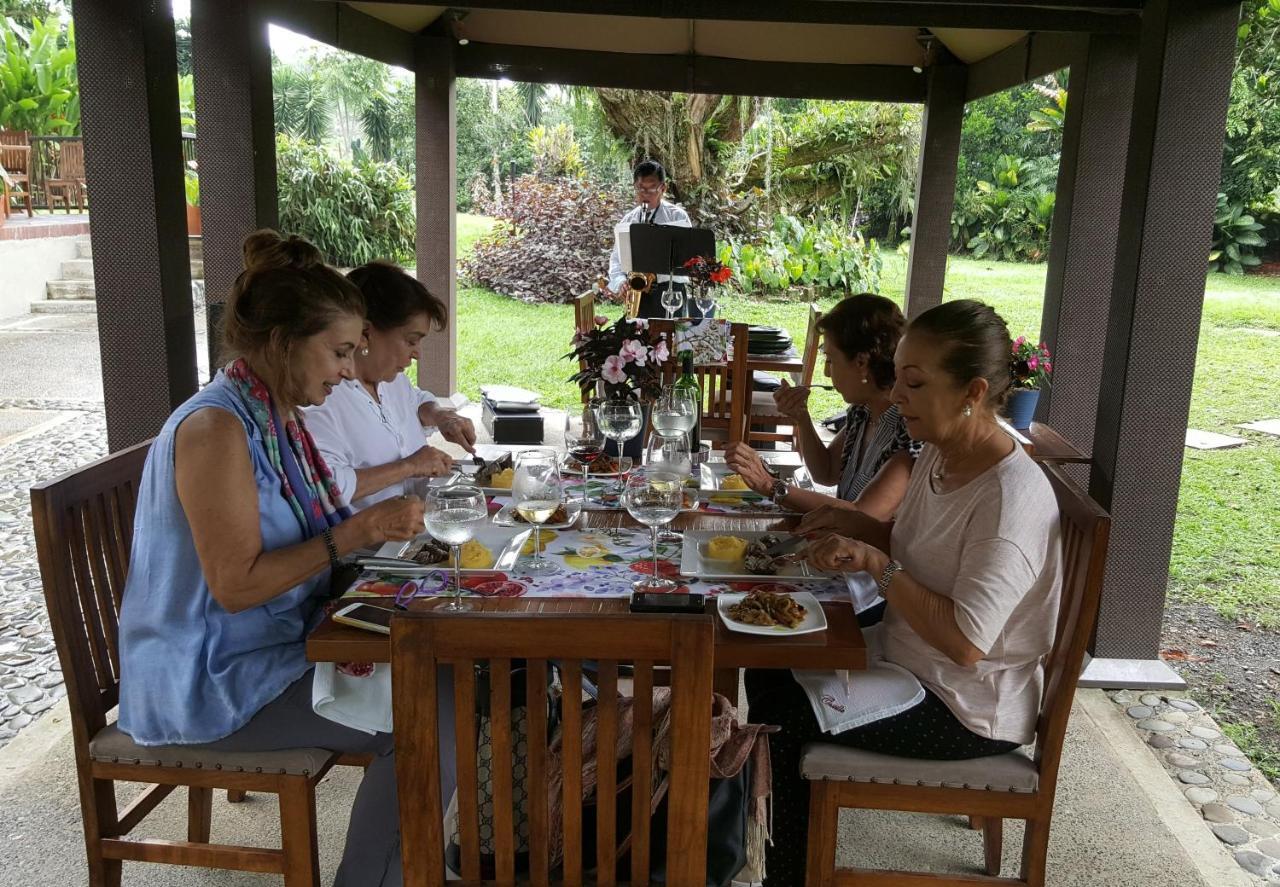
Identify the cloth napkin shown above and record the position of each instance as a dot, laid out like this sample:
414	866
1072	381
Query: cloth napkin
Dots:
864	591
882	691
358	697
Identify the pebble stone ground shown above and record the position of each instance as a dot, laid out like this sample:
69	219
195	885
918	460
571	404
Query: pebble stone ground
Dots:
1238	803
30	677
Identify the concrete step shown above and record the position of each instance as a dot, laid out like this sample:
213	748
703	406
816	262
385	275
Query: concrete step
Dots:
77	269
69	289
65	306
84	248
195	246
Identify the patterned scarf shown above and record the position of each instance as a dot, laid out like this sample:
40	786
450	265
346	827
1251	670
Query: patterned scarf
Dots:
312	493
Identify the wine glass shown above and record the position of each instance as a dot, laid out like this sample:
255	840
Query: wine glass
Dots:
452	515
537	492
653	497
584	441
705	300
675	412
620	420
672	300
670	457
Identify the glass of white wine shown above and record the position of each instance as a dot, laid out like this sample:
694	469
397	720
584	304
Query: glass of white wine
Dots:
537	492
452	515
653	497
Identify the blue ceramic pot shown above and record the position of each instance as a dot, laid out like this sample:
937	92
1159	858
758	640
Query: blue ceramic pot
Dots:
1021	408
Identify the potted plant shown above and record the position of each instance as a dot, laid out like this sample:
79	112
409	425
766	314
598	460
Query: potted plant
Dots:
1031	366
191	182
620	361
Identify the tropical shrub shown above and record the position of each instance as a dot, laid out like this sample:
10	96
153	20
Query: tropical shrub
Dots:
1008	218
827	255
352	212
1236	235
551	240
39	87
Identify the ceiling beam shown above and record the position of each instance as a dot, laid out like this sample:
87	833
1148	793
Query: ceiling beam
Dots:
1035	55
1090	16
684	73
341	26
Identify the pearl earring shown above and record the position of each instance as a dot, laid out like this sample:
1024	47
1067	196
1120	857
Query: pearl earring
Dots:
364	352
864	380
968	411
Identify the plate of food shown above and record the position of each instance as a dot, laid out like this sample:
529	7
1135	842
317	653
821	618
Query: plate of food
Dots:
772	614
743	554
493	548
717	478
565	516
604	466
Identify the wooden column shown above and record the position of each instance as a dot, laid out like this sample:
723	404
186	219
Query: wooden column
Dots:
1082	251
437	203
1185	59
235	142
935	187
133	165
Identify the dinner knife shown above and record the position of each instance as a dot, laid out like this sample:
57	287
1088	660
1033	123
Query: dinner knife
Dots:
786	546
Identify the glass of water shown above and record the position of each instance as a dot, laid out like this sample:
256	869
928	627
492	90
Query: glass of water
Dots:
537	493
672	300
653	497
670	457
453	514
675	412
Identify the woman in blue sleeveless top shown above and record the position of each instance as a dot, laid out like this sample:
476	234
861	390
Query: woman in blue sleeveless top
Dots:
238	524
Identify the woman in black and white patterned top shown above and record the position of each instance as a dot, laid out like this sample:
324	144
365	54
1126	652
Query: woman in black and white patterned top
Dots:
859	336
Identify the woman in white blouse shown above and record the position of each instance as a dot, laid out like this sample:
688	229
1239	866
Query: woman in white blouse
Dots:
372	429
970	569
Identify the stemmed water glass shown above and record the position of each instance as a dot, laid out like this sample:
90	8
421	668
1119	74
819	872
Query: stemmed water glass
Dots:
537	492
620	420
669	458
452	515
672	300
653	497
705	299
675	412
584	441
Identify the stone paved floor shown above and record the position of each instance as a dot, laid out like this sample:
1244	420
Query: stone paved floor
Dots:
30	678
1240	805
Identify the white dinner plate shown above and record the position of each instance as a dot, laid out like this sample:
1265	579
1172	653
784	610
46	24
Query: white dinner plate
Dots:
814	617
711	477
504	542
506	517
693	564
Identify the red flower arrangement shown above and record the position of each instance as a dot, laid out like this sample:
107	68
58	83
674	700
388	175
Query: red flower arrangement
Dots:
705	272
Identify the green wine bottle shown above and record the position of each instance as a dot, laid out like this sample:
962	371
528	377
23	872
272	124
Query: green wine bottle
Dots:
687	381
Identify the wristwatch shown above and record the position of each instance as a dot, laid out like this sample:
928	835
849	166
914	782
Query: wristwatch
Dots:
779	490
887	576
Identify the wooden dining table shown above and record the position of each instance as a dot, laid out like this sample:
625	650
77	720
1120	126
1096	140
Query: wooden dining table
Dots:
839	647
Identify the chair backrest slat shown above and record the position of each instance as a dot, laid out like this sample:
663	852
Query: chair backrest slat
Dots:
464	694
571	764
539	831
84	529
809	358
1086	528
606	774
641	770
421	642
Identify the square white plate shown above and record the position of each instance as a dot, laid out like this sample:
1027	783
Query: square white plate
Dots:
711	478
504	542
814	617
692	563
506	517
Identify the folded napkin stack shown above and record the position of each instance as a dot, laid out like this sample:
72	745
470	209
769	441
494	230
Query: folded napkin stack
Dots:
511	415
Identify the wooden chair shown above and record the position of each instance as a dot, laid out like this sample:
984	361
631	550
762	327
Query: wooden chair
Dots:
763	419
422	640
84	530
15	157
69	181
989	790
726	388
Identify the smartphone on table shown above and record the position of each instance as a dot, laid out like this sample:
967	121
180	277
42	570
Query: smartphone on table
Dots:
651	602
365	616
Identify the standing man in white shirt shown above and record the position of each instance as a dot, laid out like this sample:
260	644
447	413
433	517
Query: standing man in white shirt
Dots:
650	181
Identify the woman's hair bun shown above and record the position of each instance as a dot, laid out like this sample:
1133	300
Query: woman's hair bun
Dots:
266	249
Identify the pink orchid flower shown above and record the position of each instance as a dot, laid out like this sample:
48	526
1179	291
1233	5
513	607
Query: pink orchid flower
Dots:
613	370
660	352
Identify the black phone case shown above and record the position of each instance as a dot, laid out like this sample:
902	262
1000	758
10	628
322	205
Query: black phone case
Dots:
692	604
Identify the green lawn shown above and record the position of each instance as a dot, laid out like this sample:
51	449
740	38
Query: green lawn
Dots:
1224	550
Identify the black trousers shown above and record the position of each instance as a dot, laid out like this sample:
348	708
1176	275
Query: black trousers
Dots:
927	730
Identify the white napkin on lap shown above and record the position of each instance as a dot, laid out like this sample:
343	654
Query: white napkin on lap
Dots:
882	691
362	703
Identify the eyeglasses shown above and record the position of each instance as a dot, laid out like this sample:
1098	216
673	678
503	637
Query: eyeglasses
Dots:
655	190
431	584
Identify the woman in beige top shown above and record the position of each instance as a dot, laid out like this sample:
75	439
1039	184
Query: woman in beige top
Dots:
970	568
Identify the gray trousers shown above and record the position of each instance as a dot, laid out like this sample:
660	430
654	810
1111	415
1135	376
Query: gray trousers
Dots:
371	857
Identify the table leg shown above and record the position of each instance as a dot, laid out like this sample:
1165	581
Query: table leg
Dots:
725	682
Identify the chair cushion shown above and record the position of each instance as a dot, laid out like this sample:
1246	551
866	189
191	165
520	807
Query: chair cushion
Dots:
1012	772
113	746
